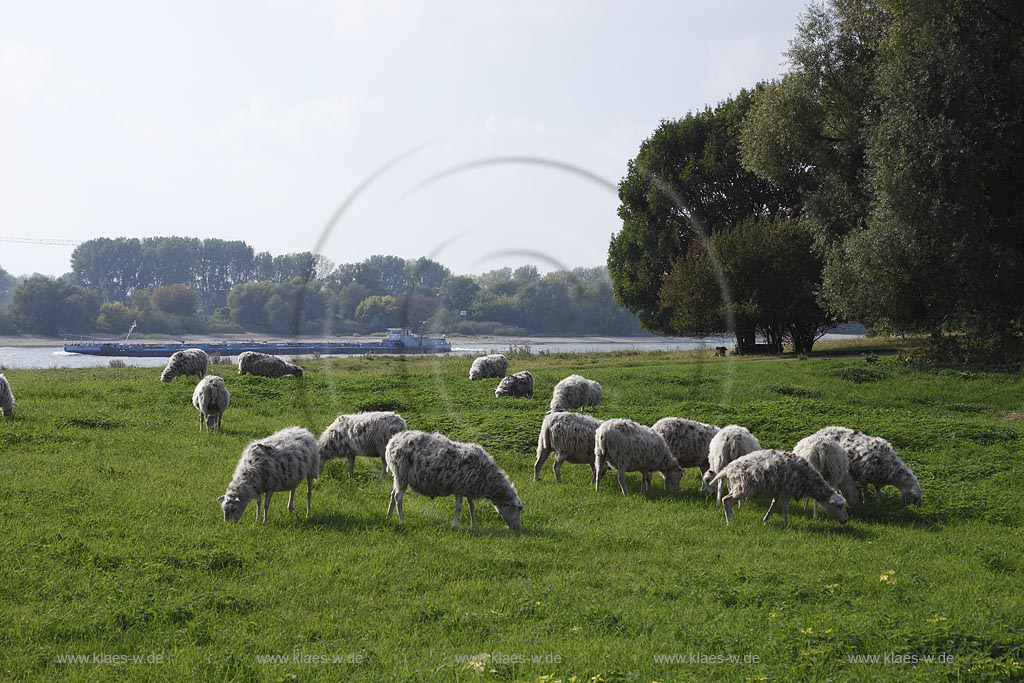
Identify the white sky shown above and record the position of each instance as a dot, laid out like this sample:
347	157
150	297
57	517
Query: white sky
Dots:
256	119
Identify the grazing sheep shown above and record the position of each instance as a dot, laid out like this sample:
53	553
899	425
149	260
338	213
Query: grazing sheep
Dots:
211	398
632	447
186	362
728	444
6	397
494	365
519	385
575	392
689	441
774	474
265	365
720	351
873	461
278	462
828	457
365	434
434	465
571	435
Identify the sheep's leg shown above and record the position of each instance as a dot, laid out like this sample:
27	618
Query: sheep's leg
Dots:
458	509
557	468
351	465
814	508
645	483
718	494
622	482
309	495
259	506
266	507
291	501
399	497
542	456
771	508
383	468
593	473
727	505
472	513
391	504
598	475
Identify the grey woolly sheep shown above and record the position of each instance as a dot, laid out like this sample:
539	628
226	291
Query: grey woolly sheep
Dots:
211	398
434	465
729	443
265	365
494	365
575	392
185	362
771	474
689	441
519	385
873	461
366	434
571	435
278	462
6	397
632	447
827	457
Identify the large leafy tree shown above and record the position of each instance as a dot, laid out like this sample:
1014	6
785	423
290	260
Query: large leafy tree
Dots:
686	182
47	306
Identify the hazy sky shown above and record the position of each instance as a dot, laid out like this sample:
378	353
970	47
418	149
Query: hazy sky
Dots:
255	120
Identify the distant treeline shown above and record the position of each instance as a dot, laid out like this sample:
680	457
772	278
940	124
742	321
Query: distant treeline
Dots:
179	285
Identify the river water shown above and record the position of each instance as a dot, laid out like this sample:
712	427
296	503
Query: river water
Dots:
50	356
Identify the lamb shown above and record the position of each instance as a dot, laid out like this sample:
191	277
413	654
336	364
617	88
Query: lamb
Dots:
185	362
873	461
278	462
689	441
729	443
211	398
265	365
365	434
630	447
494	365
775	474
434	465
827	457
571	435
6	397
519	385
575	392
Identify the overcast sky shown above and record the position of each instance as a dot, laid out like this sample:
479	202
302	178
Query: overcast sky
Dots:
257	119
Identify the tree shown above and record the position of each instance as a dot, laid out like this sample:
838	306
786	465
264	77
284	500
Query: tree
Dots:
175	300
685	181
761	276
426	276
115	317
47	306
457	293
108	267
378	311
7	285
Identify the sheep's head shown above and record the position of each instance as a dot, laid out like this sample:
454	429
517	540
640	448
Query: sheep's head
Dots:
510	512
297	372
233	507
672	477
835	506
912	494
706	480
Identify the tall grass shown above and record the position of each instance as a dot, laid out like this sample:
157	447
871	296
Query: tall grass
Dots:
114	545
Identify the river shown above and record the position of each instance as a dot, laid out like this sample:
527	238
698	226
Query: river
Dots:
53	356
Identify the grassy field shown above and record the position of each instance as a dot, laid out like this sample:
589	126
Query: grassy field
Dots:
114	548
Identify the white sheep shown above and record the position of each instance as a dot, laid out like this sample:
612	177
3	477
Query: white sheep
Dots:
575	391
873	461
771	474
519	385
278	462
494	365
211	398
827	457
366	434
434	465
185	362
6	397
632	447
689	441
265	365
572	436
729	443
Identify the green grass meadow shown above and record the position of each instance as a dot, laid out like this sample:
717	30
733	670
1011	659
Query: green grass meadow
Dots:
114	546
